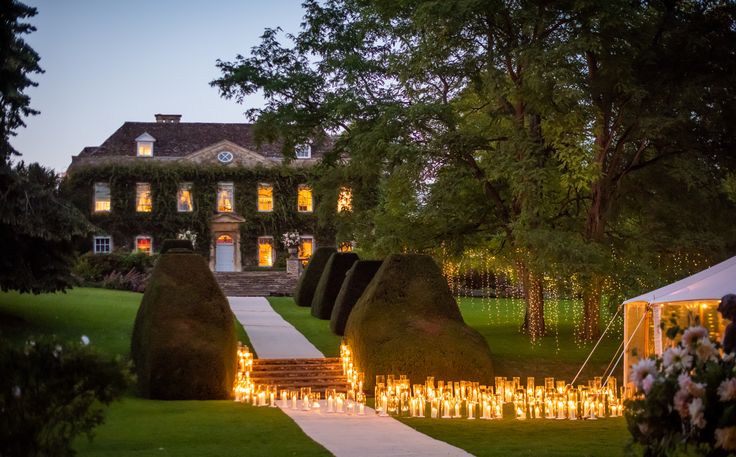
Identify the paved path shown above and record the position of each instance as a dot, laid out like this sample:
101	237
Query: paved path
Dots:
343	435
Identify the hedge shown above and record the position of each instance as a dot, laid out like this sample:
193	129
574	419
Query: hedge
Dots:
330	283
356	281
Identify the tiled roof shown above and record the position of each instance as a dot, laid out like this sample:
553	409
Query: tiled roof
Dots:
181	139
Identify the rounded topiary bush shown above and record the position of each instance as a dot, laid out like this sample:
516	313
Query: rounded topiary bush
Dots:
330	282
307	284
407	322
184	344
355	283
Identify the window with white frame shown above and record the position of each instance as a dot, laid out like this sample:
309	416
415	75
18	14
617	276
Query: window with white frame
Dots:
225	197
184	198
144	244
144	145
303	151
305	202
265	251
265	197
102	245
102	197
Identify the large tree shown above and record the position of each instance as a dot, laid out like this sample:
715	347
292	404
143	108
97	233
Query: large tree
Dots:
37	227
515	125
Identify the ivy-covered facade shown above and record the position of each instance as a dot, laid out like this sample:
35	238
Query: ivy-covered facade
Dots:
238	208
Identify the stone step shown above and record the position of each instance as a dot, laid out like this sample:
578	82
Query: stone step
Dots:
256	283
317	374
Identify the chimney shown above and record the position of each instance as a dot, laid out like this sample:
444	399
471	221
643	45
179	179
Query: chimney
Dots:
168	118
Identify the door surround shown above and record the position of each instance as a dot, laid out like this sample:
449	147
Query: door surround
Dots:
226	224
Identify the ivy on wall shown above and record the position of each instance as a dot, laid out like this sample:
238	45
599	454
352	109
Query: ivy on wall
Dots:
124	223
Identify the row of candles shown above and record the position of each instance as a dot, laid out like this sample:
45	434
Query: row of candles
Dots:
508	398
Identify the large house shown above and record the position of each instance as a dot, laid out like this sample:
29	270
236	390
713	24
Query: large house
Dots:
150	181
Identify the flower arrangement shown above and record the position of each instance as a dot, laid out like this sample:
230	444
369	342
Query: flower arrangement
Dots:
685	398
291	239
188	235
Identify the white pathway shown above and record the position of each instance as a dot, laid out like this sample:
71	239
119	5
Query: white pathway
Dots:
343	435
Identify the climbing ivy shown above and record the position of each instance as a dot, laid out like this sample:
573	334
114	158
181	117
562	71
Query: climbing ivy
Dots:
124	223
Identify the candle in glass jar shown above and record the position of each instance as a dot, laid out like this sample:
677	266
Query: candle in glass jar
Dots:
330	404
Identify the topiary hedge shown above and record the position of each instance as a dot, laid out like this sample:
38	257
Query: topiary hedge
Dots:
184	343
307	284
330	283
407	322
176	244
355	283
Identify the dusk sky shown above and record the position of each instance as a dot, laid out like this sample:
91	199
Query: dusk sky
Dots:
108	62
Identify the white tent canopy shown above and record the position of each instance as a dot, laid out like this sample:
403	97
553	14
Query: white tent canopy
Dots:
709	284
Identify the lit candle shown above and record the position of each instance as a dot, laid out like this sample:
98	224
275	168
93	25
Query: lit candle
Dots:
338	404
293	400
272	399
384	405
446	409
284	399
330	404
471	410
458	404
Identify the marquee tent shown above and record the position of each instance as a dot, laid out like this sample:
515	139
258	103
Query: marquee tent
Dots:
695	297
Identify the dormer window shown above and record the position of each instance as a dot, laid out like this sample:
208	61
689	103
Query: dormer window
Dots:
144	145
303	151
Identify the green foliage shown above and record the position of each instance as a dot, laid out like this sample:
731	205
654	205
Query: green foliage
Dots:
176	244
51	392
123	223
308	281
17	61
330	283
355	283
407	322
184	343
38	230
118	270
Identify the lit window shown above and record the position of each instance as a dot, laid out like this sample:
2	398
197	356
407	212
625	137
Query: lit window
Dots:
345	200
102	245
345	246
184	198
265	197
225	197
265	251
303	151
144	244
144	145
102	197
306	248
304	199
143	197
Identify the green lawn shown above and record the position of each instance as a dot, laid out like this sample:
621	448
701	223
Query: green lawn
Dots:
316	330
136	426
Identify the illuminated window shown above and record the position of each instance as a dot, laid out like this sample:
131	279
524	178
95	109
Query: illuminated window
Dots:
303	151
265	251
144	145
144	244
143	197
225	197
345	200
265	197
224	239
102	197
304	199
184	198
345	246
306	248
102	245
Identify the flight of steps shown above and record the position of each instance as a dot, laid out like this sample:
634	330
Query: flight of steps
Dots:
319	374
256	283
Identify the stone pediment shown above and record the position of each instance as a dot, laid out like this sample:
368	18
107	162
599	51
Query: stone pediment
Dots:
239	156
226	218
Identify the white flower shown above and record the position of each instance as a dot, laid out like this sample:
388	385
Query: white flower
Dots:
696	409
693	334
676	359
647	383
643	368
85	340
57	351
727	389
706	351
16	391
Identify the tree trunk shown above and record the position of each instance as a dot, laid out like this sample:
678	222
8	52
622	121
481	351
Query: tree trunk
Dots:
589	329
533	325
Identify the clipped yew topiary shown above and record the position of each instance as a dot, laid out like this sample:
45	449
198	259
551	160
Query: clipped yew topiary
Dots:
330	282
304	292
184	344
356	281
407	322
176	244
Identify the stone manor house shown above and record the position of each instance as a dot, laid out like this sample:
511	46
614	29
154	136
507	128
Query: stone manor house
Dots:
153	180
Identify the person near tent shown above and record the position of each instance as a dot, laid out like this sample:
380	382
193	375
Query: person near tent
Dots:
727	308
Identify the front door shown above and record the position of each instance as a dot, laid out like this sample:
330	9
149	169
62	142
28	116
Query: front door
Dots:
224	253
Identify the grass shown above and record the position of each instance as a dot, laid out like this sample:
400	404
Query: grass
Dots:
317	331
140	427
